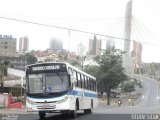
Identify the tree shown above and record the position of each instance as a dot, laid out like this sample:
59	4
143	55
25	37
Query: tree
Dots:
3	72
6	65
66	57
31	59
74	63
92	70
111	72
128	87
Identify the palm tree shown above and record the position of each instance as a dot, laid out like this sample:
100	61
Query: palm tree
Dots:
6	65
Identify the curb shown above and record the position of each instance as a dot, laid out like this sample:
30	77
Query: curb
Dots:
13	111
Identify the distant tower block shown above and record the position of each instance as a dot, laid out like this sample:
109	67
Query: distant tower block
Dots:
127	37
24	44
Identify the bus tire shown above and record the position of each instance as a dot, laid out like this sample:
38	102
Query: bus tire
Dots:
89	111
85	111
42	114
74	112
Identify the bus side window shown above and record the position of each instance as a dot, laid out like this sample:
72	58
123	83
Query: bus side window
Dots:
91	85
75	78
70	71
88	84
94	85
78	80
82	79
85	82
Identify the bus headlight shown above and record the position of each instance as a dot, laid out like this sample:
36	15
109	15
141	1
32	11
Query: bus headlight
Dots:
62	100
30	102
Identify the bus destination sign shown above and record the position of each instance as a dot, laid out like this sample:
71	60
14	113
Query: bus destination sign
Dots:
41	68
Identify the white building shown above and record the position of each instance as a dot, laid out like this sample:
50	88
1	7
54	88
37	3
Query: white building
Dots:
24	44
81	50
7	43
55	46
110	44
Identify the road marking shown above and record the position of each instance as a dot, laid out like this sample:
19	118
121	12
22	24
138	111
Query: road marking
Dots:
158	97
143	97
108	110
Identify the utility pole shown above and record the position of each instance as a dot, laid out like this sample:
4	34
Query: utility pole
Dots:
69	32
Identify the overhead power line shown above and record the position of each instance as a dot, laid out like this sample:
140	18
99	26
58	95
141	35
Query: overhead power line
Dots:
64	28
69	29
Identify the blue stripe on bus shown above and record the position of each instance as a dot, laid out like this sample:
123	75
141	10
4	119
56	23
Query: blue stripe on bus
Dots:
90	95
80	93
73	92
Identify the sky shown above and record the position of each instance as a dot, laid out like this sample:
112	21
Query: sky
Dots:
96	16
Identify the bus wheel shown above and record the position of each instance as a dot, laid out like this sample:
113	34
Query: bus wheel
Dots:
85	111
89	111
42	114
74	112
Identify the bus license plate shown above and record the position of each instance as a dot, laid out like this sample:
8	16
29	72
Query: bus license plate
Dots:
45	106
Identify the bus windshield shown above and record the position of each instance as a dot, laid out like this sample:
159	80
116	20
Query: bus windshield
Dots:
48	82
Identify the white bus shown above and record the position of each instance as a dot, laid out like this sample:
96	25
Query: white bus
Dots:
59	87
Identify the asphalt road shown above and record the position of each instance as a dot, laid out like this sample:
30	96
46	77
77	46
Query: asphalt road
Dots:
150	99
149	102
80	116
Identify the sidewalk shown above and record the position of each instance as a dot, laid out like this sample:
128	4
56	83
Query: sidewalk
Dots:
13	111
135	100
